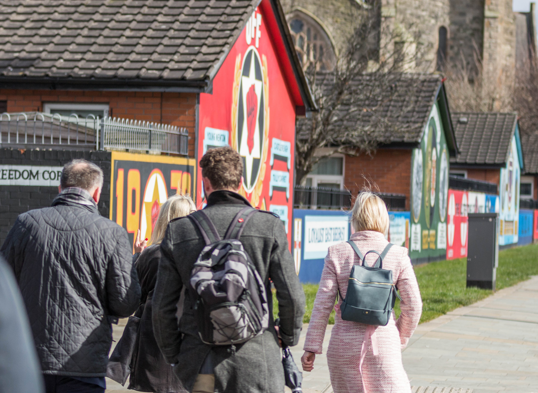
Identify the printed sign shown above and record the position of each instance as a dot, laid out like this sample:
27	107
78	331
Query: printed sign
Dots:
141	183
399	231
282	211
281	150
215	138
280	181
252	106
24	175
321	232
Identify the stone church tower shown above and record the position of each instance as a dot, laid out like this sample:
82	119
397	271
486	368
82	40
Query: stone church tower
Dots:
477	37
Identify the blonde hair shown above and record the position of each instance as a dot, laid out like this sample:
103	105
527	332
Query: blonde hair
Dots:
370	213
174	207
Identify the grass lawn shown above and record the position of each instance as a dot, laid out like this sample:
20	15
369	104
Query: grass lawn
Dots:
442	284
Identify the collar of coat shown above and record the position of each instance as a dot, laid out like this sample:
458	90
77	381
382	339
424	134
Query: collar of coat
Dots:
225	197
73	196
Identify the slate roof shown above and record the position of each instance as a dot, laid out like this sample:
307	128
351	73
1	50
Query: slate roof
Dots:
483	138
394	110
529	145
128	40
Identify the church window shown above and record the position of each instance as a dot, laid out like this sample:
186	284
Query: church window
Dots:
312	44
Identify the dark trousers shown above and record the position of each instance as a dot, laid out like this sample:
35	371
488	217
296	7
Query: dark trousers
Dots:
63	384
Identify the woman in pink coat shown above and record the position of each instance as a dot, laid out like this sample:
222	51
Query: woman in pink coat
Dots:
364	358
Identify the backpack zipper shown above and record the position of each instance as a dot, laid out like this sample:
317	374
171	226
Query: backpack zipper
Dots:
371	282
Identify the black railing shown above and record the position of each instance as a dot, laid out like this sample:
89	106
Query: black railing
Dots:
460	183
333	199
394	202
321	198
528	204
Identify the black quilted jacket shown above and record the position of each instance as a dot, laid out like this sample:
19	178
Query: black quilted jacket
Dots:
74	269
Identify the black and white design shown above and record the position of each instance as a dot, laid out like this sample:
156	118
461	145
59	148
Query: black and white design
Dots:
251	118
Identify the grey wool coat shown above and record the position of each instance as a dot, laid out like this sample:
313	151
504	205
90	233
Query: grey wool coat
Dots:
256	367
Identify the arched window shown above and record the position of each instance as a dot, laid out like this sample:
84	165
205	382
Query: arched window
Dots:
441	49
311	42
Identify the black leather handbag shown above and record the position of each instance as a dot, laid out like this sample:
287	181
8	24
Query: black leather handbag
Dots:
371	293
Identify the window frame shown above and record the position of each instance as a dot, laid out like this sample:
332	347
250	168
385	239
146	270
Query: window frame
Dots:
47	107
458	172
526	180
337	179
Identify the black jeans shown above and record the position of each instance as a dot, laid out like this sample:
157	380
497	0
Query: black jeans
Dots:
63	384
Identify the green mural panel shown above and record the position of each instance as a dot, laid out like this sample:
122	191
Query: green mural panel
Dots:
429	192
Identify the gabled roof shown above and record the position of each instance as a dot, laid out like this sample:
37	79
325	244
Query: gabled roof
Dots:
159	45
484	138
394	111
529	144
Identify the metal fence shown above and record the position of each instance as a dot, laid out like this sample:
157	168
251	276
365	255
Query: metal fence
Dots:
321	198
528	204
460	183
334	199
35	129
394	202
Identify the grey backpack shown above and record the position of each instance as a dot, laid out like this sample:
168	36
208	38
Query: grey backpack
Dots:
371	294
230	299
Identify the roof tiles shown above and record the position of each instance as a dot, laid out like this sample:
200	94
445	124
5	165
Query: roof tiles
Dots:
483	138
110	39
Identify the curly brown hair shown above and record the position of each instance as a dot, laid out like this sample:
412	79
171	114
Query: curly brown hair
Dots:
223	167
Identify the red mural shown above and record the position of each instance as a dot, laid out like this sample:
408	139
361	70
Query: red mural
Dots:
252	108
457	224
535	228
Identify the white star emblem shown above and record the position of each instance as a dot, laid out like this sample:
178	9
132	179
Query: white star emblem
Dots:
247	82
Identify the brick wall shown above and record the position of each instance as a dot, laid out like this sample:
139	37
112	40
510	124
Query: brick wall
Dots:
169	108
15	200
389	169
491	175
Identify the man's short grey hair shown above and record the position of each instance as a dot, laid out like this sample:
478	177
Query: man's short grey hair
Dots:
82	174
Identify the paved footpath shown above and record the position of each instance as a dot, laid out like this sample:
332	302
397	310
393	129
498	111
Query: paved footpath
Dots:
490	346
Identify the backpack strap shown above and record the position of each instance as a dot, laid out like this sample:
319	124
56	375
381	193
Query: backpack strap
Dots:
379	262
206	226
237	225
356	249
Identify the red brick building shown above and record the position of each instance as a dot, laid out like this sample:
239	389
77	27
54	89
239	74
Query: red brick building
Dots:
185	64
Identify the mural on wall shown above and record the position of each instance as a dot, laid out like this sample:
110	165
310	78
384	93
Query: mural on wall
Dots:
429	192
509	197
526	218
458	202
399	228
477	202
252	110
492	204
141	183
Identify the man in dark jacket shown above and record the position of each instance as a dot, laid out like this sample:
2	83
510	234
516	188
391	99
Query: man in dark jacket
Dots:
256	365
75	272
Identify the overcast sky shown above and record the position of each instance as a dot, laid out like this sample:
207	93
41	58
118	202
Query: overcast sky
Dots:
522	5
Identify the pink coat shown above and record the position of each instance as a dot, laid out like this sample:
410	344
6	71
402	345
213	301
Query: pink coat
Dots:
382	369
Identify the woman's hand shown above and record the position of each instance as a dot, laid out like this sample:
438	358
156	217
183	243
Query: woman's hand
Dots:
140	245
308	361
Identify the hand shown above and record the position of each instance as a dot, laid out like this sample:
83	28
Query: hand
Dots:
140	245
307	361
277	328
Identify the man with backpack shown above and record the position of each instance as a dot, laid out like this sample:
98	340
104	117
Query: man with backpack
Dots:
223	259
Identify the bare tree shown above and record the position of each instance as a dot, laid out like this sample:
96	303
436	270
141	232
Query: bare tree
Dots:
469	89
353	98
